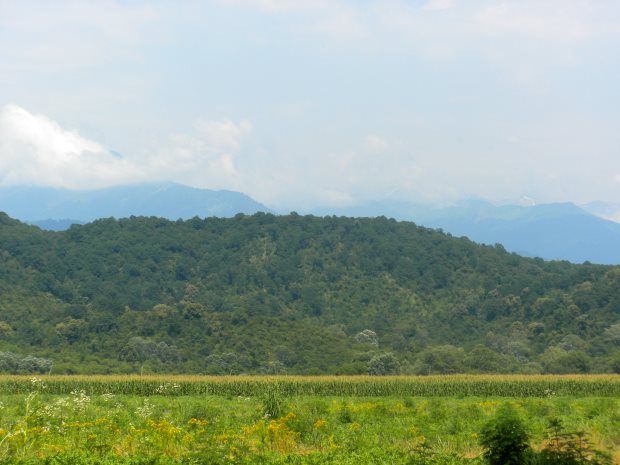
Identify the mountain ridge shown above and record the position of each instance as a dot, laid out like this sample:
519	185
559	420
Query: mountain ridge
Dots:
170	200
560	231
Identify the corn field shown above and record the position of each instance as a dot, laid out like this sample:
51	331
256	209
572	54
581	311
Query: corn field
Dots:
357	386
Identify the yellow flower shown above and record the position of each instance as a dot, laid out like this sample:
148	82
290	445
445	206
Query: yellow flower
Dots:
355	426
37	430
197	422
399	408
164	427
251	429
320	424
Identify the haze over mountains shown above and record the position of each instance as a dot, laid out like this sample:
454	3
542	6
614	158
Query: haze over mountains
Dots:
607	210
550	231
54	208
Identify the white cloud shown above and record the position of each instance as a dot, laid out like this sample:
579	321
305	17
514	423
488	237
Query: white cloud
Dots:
439	4
64	36
344	24
36	150
223	134
376	144
205	157
336	18
554	20
280	6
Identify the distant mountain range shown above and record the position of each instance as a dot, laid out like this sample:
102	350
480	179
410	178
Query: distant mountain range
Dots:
57	209
551	231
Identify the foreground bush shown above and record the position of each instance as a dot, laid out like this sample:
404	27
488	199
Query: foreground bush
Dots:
505	440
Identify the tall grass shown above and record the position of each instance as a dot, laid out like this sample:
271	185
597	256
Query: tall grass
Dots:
427	386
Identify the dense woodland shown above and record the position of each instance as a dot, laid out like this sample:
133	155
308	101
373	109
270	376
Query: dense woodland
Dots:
294	294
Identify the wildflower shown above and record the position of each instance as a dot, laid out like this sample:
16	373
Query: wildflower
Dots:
37	383
197	422
163	427
80	400
37	430
258	426
320	423
146	410
167	388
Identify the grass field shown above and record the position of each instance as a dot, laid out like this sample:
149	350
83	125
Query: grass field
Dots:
316	420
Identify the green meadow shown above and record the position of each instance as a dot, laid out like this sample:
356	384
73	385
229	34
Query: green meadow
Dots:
288	420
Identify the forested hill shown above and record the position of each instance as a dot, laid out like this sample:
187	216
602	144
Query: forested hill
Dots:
295	294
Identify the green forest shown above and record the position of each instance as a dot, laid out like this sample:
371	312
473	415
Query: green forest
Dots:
294	294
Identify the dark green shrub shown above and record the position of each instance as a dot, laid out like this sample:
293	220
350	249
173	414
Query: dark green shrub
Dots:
344	414
505	440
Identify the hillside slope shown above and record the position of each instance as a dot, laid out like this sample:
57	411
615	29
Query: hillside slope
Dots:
267	293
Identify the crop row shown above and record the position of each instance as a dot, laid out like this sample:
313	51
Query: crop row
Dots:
502	386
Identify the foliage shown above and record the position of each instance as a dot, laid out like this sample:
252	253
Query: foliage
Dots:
383	364
570	448
238	295
440	359
367	336
505	440
273	403
17	364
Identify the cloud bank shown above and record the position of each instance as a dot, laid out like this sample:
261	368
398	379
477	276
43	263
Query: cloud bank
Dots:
35	150
224	154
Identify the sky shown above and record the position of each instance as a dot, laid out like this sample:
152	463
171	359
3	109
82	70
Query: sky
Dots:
302	104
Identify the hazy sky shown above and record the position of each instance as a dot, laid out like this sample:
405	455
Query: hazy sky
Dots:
304	103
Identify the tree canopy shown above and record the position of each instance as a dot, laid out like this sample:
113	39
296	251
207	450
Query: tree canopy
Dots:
296	294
